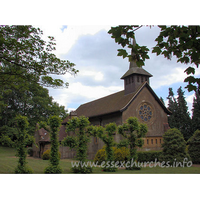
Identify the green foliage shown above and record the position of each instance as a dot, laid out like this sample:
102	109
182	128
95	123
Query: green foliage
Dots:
80	125
22	125
27	64
107	137
32	57
123	143
70	141
31	100
6	141
174	147
23	170
196	112
133	131
148	156
54	167
82	170
120	154
30	151
100	156
194	147
47	153
123	36
180	117
183	42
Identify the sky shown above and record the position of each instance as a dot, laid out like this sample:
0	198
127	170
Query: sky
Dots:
94	53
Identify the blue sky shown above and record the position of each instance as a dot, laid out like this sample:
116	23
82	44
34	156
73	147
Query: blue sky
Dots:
94	52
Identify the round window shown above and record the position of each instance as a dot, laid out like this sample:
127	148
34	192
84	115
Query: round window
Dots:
145	112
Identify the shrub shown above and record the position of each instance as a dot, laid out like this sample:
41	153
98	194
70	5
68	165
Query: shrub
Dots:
174	147
30	151
23	169
120	154
47	153
148	156
194	147
82	170
100	156
53	169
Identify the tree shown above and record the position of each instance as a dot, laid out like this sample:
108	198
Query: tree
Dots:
106	135
180	117
181	41
23	54
173	107
194	146
183	115
196	111
133	132
31	100
22	125
54	167
79	125
174	148
26	64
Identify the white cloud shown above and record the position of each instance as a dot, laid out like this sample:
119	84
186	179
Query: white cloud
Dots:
67	37
170	77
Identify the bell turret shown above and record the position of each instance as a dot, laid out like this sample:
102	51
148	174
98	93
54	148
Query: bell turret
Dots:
135	76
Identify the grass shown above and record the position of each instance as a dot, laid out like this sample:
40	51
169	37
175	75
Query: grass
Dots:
8	162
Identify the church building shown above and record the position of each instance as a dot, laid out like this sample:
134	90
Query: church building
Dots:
137	100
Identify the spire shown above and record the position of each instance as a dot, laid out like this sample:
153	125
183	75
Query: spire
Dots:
133	56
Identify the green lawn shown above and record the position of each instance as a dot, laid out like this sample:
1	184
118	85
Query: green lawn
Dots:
8	162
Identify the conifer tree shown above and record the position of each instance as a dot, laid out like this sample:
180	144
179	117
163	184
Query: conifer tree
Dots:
196	111
173	107
180	117
184	119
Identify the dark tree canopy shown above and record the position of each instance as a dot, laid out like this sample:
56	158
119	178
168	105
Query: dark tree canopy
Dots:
196	111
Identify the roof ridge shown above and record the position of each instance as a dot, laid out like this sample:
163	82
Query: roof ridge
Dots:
101	98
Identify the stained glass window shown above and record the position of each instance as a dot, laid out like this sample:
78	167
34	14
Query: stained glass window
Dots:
145	112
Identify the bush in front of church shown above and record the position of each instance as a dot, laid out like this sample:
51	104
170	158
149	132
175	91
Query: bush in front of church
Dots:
120	154
194	147
148	156
174	147
46	154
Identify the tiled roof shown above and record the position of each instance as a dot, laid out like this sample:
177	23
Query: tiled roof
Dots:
136	70
109	104
116	102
